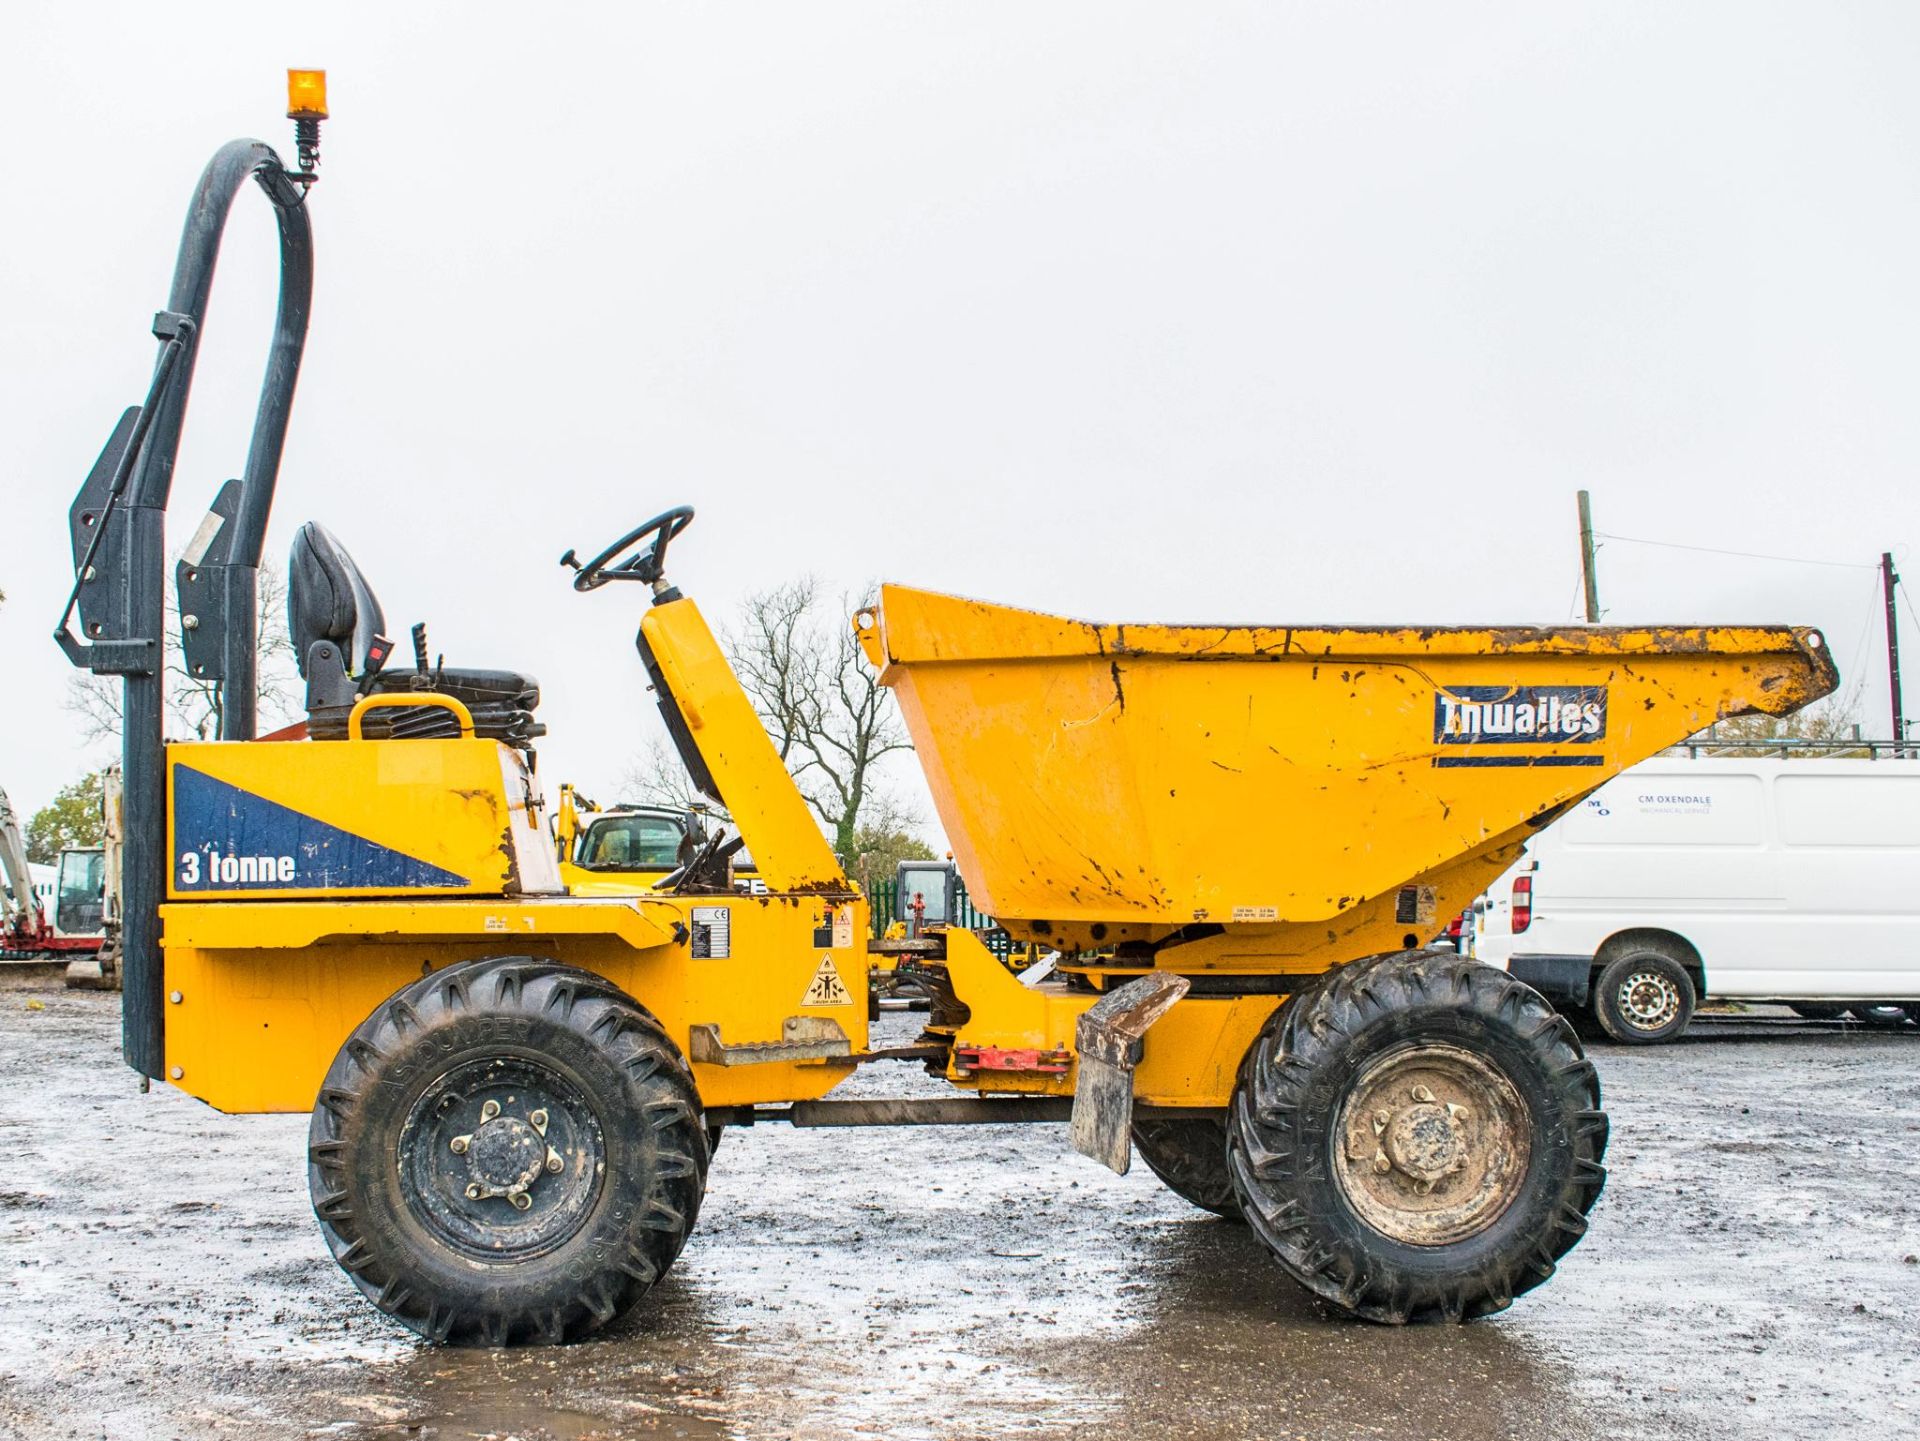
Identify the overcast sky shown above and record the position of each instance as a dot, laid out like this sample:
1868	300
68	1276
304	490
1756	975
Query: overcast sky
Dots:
1262	313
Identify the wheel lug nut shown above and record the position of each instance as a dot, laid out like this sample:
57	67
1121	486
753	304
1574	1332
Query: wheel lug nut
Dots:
1456	1113
458	1145
554	1163
1381	1164
521	1200
473	1190
1423	1095
489	1110
1381	1120
538	1120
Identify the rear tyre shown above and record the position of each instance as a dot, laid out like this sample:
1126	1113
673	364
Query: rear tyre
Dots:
1190	1156
507	1150
1809	1011
1417	1137
1644	994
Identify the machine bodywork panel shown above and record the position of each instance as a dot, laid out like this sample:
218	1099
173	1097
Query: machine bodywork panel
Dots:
261	994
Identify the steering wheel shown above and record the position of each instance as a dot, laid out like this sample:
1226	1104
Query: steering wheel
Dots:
648	565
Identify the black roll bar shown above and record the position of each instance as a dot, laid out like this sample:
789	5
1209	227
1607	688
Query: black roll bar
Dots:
119	545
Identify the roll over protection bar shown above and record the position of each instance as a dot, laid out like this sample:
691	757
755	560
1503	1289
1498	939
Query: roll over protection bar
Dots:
119	545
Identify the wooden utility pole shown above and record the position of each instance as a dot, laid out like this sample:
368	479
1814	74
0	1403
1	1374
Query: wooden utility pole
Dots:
1888	580
1586	560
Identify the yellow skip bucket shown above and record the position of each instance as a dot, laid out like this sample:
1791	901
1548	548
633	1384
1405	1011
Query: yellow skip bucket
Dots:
1156	776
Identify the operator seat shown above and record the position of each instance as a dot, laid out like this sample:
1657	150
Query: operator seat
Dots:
335	623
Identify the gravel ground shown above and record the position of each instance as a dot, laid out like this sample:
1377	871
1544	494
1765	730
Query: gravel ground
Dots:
1751	1272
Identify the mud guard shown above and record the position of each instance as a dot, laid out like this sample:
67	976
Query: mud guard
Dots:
1108	1037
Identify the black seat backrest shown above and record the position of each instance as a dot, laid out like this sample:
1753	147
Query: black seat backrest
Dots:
328	599
334	623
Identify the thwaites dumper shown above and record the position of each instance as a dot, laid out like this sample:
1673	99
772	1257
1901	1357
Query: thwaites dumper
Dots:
1237	838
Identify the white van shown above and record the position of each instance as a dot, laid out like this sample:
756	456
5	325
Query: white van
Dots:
1771	880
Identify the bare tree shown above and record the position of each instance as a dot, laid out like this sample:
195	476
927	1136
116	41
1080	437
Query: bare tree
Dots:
193	702
777	654
885	838
829	716
657	777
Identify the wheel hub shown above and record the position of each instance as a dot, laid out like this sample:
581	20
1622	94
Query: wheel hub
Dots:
506	1155
1431	1144
1425	1141
1648	1000
502	1157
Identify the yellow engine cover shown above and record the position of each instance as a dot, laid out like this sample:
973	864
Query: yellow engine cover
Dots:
353	818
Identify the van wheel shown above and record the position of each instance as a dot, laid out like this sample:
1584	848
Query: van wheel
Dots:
1644	995
1889	1015
507	1150
1190	1156
1417	1137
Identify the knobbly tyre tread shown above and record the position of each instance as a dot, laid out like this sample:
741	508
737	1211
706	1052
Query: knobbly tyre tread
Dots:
403	1270
1190	1157
1361	1010
592	981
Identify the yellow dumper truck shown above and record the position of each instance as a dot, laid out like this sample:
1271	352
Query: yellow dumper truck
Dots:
1236	837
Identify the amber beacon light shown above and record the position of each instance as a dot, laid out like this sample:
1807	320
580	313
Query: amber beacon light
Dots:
306	108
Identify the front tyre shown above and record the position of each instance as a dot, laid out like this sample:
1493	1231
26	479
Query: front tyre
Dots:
1417	1137
507	1150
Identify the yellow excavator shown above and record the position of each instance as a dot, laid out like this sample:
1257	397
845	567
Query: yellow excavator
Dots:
1240	835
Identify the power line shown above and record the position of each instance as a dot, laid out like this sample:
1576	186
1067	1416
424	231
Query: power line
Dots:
1741	554
1866	629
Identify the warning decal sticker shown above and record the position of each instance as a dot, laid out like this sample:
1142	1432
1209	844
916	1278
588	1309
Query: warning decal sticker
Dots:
827	989
712	933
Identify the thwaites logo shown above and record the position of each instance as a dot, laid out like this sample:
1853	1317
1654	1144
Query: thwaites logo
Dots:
1466	715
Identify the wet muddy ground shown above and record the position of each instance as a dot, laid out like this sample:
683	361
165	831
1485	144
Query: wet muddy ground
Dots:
1753	1271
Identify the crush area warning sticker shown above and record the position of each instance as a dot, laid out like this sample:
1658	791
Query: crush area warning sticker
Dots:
827	988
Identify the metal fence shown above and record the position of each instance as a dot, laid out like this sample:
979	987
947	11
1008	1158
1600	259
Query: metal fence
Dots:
1708	746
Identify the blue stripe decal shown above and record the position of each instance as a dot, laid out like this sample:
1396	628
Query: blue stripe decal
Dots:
228	839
